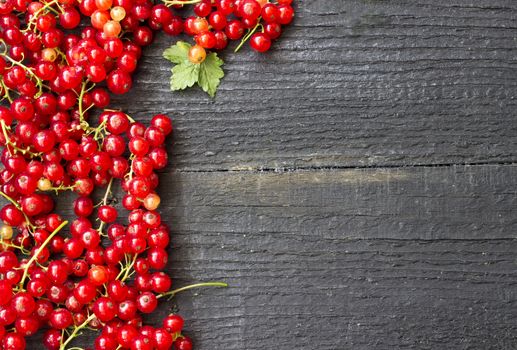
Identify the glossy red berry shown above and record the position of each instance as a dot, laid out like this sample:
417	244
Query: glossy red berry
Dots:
107	213
23	303
98	275
52	339
235	30
105	309
85	291
260	42
173	323
61	319
126	334
184	343
146	302
119	82
105	342
13	341
69	18
206	39
273	30
286	14
162	339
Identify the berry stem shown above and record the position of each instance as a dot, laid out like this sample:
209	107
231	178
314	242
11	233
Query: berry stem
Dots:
118	110
37	13
128	268
75	331
248	36
62	188
39	82
192	286
13	145
98	132
180	2
6	90
108	191
130	173
5	244
38	251
61	54
84	124
27	220
104	202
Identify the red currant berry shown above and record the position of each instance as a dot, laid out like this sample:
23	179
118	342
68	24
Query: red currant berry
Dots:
184	343
105	309
61	319
286	14
146	302
260	42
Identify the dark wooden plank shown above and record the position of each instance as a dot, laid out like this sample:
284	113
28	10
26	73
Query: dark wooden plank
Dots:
407	203
366	259
353	83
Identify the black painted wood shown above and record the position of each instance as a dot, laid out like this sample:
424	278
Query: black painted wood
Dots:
325	257
362	259
353	83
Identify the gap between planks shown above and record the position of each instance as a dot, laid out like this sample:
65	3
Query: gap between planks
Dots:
341	167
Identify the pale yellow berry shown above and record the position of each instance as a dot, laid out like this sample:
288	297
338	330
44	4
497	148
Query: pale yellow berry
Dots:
118	13
48	54
112	29
151	201
44	184
6	232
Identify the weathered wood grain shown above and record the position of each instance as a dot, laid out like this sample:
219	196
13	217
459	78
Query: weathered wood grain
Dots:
347	259
365	259
353	83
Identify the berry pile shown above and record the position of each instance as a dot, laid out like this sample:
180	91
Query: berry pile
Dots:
217	22
59	61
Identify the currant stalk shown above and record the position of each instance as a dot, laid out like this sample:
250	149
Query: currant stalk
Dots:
4	244
180	2
82	121
38	251
248	36
76	331
17	205
39	82
127	270
47	6
12	145
192	286
6	90
104	202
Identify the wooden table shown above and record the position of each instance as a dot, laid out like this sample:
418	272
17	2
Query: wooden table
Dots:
355	186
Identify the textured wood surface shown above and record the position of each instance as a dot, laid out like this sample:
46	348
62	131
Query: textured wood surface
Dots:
417	250
357	259
353	83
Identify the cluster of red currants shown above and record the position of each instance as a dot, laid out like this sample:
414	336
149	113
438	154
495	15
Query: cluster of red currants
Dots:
100	278
216	22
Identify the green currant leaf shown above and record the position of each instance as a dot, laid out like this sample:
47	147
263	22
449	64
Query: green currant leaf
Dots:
210	74
184	75
177	53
